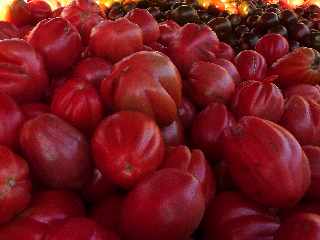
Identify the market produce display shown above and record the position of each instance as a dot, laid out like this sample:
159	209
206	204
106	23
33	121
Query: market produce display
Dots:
159	120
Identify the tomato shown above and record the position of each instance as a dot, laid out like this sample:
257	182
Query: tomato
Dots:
127	146
232	216
114	40
224	51
313	154
58	153
33	110
272	46
168	31
186	112
261	99
229	67
18	13
15	185
8	30
304	90
39	10
11	121
173	134
278	173
168	192
251	65
148	25
61	48
22	72
209	82
299	66
147	82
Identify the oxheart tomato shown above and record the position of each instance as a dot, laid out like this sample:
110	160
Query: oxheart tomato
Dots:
251	65
225	51
209	82
127	146
78	102
195	163
278	174
302	118
51	207
261	99
193	43
39	10
18	13
313	154
168	31
93	70
32	110
156	46
8	30
148	25
147	82
61	48
208	127
173	134
22	72
88	6
304	90
80	229
15	184
302	207
58	153
168	192
232	216
114	40
11	120
299	66
272	46
300	226
186	112
230	67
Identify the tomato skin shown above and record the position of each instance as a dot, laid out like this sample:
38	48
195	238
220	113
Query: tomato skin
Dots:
304	90
8	30
230	67
60	49
127	146
39	10
173	134
168	31
15	184
186	112
32	110
224	51
22	71
19	14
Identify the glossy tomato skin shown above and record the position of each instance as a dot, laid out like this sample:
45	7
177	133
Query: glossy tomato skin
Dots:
313	154
230	67
304	90
193	43
147	82
147	23
60	49
299	66
300	226
108	37
173	134
261	99
54	206
93	70
22	72
32	110
275	148
80	228
207	128
8	30
15	184
224	51
11	121
232	216
251	65
168	31
58	153
78	102
195	163
296	118
39	10
127	146
158	197
18	13
186	112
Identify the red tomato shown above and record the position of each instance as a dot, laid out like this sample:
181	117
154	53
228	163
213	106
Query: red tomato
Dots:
278	173
57	152
15	185
8	30
18	13
173	134
313	154
148	25
114	40
11	120
304	90
186	112
147	82
167	205
33	110
61	48
22	72
39	10
230	67
224	51
272	46
168	31
251	65
127	146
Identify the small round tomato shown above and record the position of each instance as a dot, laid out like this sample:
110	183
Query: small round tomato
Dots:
173	134
61	48
15	185
8	30
11	120
22	72
168	31
32	110
114	40
39	10
58	153
127	146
